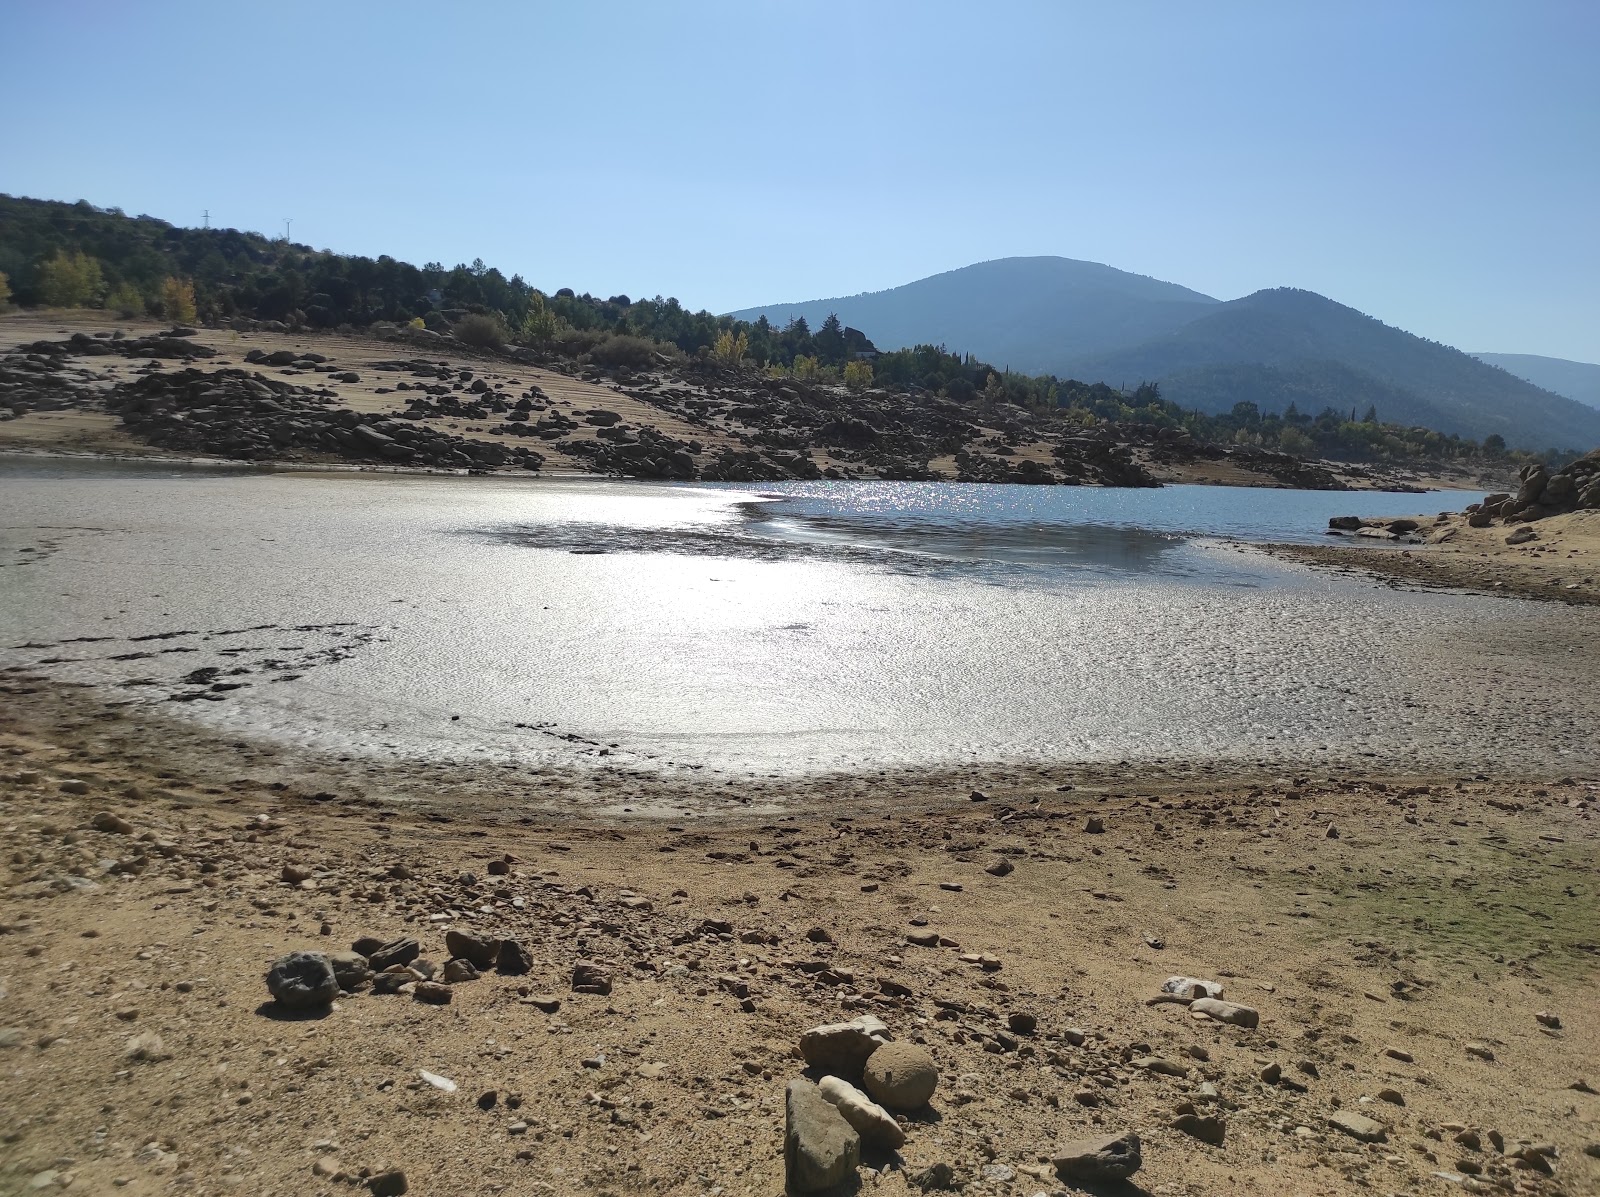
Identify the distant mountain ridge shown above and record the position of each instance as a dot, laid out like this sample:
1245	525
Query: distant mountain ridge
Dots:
1093	322
1575	380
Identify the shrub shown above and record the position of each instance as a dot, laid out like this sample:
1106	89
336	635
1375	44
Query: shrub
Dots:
540	325
486	332
636	353
805	368
5	289
575	342
858	375
70	280
416	322
730	349
177	300
126	301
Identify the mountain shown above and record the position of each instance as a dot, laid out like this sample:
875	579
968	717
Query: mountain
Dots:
1283	343
1575	380
1092	322
1026	314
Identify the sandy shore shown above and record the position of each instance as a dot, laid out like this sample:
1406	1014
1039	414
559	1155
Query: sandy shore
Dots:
1562	565
1435	916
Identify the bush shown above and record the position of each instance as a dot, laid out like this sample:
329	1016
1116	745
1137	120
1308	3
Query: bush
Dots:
858	375
126	301
486	332
636	353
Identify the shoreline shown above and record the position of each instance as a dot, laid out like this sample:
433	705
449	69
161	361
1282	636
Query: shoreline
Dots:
1315	896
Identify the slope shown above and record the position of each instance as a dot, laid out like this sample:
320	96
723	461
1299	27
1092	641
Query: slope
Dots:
1022	313
1575	380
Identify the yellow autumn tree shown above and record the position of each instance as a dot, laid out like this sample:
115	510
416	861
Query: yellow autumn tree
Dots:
806	368
858	375
730	348
177	300
70	280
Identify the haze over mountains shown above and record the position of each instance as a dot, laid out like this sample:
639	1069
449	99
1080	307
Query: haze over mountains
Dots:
1575	380
1093	322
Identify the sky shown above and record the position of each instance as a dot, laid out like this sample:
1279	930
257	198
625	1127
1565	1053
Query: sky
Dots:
1434	163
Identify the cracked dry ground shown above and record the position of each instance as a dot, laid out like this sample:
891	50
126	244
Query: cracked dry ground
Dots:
140	1055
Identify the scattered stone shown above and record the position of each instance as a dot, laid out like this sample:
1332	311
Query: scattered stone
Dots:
1112	1157
591	978
148	1047
1393	1096
935	1178
350	969
443	1083
1192	987
820	1149
114	824
1545	1019
396	951
1021	1022
479	950
871	1121
457	970
842	1048
75	785
901	1076
513	960
1206	1128
1228	1012
1000	867
1094	825
432	993
388	1184
1359	1126
303	981
1398	1053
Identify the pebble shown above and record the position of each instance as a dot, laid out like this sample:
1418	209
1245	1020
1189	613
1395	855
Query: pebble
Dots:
1206	1128
74	785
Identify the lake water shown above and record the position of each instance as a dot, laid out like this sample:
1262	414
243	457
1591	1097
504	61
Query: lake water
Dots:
773	629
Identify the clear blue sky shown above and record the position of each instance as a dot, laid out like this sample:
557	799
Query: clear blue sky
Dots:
1434	164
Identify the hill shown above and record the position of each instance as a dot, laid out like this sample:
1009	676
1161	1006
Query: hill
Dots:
1575	380
1277	342
1026	314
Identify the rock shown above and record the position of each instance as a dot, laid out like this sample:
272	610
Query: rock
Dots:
1094	825
1206	1128
901	1076
388	1184
1545	1019
1113	1157
1229	1012
147	1046
1398	1053
1192	987
841	1049
457	970
1345	523
480	950
367	945
590	978
514	960
923	938
820	1149
1021	1022
75	785
871	1121
546	1002
1002	867
113	824
1393	1096
1522	536
350	969
935	1178
303	981
396	951
1359	1126
327	1167
432	992
1159	1065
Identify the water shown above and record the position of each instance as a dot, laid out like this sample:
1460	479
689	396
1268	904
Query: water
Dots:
784	630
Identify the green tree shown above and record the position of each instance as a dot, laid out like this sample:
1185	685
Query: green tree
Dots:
829	342
70	280
540	325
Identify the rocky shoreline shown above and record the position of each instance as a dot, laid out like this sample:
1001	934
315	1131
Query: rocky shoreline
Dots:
1315	982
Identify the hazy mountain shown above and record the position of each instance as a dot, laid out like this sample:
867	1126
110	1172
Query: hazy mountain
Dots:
1275	345
1028	314
1098	324
1575	380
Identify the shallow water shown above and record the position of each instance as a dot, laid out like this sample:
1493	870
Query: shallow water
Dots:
636	625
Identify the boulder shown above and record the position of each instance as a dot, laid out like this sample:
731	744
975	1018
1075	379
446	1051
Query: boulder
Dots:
1111	1157
901	1076
513	959
820	1149
302	981
841	1049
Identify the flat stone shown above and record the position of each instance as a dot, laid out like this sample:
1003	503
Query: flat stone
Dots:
820	1149
431	992
1228	1012
1206	1128
1359	1126
396	951
1111	1157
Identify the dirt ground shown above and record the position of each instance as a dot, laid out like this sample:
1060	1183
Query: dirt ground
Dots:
1421	951
1563	564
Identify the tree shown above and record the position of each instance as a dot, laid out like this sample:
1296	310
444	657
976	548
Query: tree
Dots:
177	300
994	392
540	325
806	368
5	289
829	341
1372	415
1494	445
126	301
858	375
70	280
730	348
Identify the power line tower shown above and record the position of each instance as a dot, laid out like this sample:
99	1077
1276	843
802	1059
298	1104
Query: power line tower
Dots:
287	221
205	219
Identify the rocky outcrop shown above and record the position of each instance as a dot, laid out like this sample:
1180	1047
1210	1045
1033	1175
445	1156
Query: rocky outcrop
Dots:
1543	493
